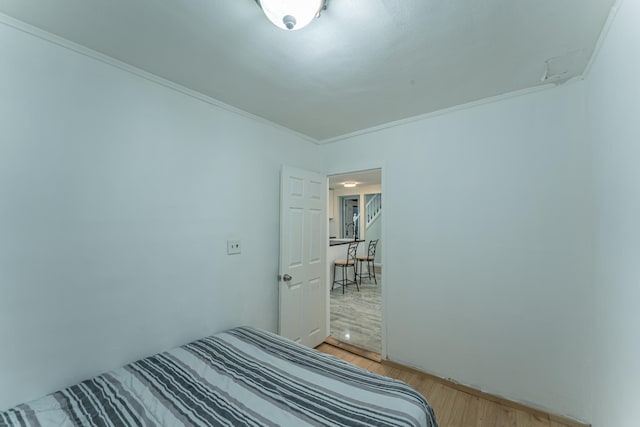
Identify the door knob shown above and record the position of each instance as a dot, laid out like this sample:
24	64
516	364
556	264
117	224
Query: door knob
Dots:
287	278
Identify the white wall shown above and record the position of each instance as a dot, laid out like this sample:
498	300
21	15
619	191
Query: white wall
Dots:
116	198
613	106
488	276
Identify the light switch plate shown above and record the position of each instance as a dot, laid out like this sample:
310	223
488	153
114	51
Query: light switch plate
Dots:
233	247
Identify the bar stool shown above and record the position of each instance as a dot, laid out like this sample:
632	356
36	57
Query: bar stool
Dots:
345	264
369	258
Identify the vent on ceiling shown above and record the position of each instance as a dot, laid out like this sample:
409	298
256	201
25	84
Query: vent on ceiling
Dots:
561	68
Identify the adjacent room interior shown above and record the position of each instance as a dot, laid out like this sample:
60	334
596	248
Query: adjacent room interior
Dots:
141	150
355	217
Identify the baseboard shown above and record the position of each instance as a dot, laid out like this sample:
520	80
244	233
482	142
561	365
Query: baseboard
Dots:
492	397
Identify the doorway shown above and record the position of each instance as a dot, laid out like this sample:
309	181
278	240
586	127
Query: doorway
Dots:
349	216
355	214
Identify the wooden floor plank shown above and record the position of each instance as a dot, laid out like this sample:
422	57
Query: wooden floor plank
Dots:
441	399
353	349
470	413
461	403
532	420
454	407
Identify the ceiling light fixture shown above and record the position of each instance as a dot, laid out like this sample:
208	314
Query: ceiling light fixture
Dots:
350	184
292	14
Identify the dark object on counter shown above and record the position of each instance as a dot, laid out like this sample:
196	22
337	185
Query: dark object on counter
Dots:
336	242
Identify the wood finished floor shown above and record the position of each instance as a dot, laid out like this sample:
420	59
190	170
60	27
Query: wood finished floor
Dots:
453	408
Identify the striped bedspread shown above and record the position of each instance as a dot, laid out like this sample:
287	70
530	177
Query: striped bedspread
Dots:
241	377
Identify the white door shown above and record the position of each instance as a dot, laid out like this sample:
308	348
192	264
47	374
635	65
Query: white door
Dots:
303	236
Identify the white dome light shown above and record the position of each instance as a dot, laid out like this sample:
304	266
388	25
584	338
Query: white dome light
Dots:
291	14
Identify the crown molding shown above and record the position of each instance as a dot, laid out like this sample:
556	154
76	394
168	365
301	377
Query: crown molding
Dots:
90	53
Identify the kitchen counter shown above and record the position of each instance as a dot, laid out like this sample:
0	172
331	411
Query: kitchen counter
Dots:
336	242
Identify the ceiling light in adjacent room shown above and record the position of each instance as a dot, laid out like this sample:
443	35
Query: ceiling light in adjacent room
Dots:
292	14
350	184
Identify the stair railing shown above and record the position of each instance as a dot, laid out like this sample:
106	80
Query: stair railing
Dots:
373	208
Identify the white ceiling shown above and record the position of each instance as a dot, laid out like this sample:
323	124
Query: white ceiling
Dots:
368	177
362	64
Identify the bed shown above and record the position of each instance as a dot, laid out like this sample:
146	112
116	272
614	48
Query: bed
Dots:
241	377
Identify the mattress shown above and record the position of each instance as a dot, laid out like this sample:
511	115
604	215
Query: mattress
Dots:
241	377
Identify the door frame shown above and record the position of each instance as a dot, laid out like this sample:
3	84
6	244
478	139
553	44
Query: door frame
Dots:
359	167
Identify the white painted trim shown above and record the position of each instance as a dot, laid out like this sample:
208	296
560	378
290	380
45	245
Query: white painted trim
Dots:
603	36
383	275
605	30
83	50
460	107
